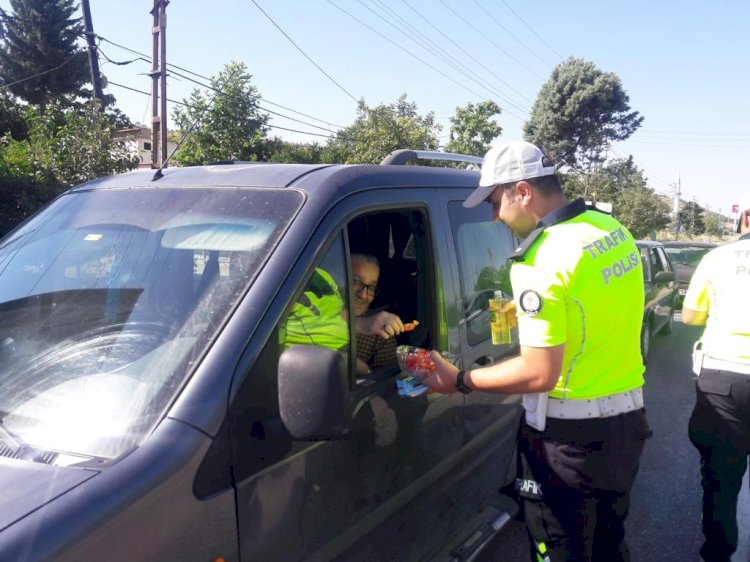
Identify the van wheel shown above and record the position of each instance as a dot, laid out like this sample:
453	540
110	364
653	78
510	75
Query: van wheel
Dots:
667	328
645	340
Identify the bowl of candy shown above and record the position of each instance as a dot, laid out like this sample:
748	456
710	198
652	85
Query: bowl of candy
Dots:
415	361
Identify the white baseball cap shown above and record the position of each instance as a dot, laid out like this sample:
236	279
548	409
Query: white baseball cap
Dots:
506	163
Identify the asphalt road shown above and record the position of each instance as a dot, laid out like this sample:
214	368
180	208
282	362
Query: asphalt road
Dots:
664	520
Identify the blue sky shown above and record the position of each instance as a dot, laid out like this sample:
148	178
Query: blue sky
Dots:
683	63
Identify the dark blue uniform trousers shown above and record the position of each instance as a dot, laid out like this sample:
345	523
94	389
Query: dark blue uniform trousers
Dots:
575	480
720	430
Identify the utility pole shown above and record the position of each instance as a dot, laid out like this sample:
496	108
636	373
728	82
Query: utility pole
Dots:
692	217
96	79
159	84
676	208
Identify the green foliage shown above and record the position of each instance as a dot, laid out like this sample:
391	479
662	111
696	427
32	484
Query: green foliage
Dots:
496	278
473	128
641	211
622	184
579	111
13	120
713	224
378	131
64	147
691	218
40	60
225	124
278	150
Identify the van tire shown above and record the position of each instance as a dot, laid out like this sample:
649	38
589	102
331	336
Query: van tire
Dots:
667	328
645	340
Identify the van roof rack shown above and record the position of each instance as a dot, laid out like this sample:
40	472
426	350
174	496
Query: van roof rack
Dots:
402	156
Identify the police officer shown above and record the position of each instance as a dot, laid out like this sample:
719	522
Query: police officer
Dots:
719	298
578	288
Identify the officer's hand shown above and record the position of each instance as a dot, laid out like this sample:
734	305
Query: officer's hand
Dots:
443	380
384	324
509	309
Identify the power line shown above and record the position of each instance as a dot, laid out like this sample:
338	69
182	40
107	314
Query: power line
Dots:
509	32
501	49
175	73
456	64
415	56
303	52
268	125
173	66
41	73
532	30
485	68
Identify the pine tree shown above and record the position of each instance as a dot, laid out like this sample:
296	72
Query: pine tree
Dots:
40	59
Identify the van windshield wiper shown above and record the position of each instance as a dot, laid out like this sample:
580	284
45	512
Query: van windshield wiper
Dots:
20	449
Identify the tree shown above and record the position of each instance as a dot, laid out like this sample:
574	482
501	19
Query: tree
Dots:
622	184
378	131
607	182
691	218
579	111
278	150
64	147
713	223
641	211
13	120
226	123
473	128
39	56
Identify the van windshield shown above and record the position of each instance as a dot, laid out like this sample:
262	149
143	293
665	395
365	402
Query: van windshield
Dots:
107	301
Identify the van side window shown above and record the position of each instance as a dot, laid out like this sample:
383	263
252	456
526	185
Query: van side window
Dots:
647	264
318	316
656	264
663	260
482	247
398	239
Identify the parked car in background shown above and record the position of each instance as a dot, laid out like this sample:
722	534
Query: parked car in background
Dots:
166	392
661	292
685	257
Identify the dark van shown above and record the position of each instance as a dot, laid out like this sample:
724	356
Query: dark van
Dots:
152	407
660	287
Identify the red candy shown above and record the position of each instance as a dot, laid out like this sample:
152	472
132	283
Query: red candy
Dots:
419	361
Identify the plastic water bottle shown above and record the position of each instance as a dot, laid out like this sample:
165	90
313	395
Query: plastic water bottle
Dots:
499	326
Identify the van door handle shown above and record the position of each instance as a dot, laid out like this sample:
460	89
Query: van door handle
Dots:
483	361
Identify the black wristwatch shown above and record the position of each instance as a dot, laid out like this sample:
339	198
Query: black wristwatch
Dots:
460	384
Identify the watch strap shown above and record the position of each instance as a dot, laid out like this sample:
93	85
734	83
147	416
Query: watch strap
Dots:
460	384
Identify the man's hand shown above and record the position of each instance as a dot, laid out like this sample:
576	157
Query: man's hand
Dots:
443	380
509	309
384	324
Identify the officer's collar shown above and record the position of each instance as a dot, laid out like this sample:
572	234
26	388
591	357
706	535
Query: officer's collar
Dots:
562	214
745	236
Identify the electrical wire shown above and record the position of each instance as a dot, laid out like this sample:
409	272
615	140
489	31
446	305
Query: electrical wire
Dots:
304	53
464	86
509	32
551	48
485	68
444	56
173	66
498	47
22	80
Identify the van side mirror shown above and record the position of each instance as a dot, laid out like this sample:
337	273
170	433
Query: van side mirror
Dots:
664	277
314	393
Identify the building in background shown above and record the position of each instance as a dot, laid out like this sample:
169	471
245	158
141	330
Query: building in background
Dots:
138	138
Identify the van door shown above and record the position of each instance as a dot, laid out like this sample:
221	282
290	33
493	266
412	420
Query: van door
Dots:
384	491
479	251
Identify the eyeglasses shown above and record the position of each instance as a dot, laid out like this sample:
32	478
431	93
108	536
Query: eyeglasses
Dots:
372	290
